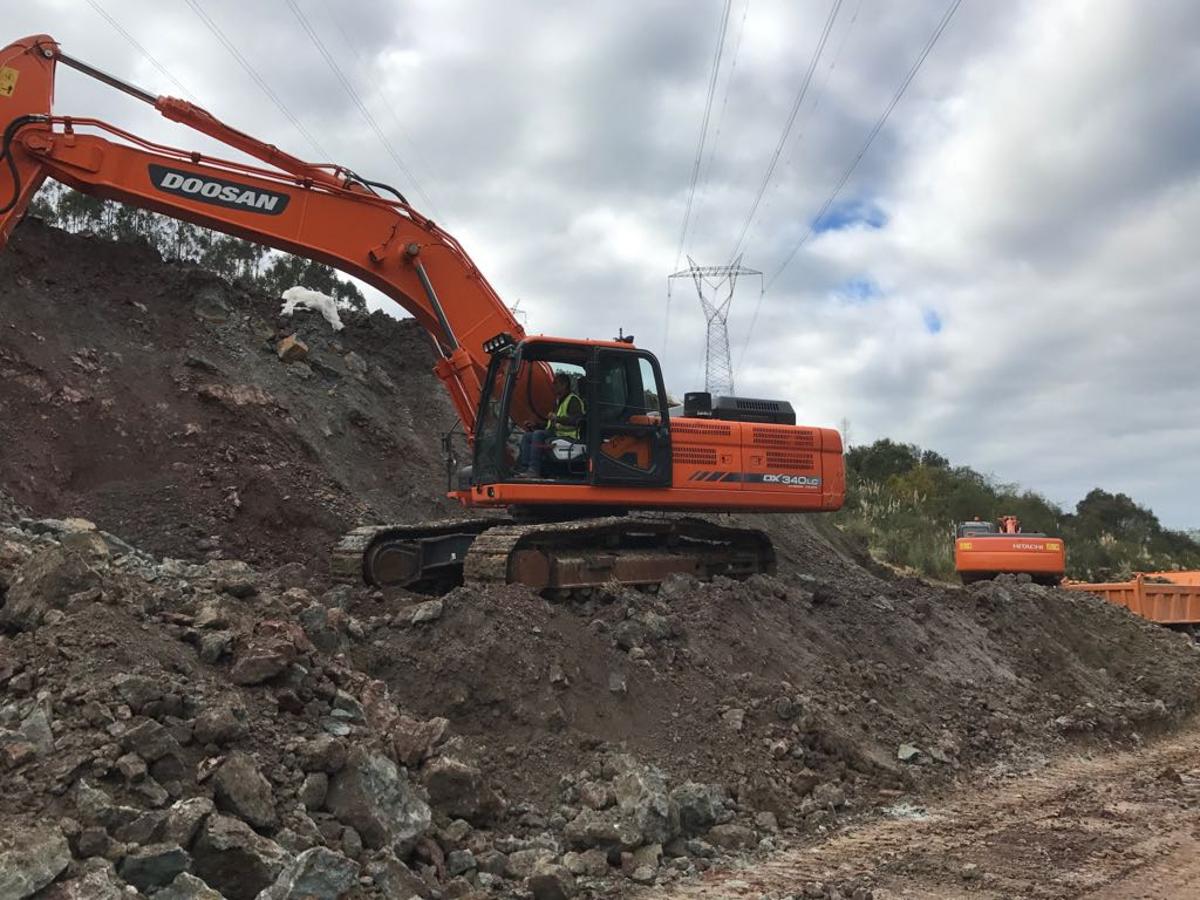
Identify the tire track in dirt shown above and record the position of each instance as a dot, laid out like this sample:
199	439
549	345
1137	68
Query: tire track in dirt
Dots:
1112	827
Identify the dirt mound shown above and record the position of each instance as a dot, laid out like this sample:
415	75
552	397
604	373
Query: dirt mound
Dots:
164	720
150	397
779	684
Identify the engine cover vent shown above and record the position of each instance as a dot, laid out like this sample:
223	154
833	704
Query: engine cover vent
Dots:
748	409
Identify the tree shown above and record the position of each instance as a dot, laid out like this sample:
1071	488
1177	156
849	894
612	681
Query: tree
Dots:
882	459
934	460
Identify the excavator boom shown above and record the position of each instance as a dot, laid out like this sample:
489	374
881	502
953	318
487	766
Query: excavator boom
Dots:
321	212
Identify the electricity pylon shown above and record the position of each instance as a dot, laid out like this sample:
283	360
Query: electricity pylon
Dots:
719	282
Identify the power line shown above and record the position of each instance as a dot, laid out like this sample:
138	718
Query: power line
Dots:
871	135
687	212
909	76
258	79
837	56
712	145
818	96
356	99
791	120
140	49
421	164
712	91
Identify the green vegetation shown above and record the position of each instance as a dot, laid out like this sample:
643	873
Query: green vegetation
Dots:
267	270
905	501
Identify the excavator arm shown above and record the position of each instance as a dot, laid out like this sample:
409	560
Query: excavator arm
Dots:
322	212
739	454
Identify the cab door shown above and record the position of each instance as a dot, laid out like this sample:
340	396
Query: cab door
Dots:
629	435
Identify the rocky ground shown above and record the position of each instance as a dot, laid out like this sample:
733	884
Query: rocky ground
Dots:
189	708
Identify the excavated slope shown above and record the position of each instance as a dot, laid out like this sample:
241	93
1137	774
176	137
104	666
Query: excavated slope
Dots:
148	396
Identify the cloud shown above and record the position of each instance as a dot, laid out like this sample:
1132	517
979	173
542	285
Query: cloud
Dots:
1010	277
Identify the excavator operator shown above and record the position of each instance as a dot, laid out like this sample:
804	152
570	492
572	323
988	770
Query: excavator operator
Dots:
564	422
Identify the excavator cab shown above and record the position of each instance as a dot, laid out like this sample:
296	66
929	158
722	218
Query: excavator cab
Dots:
624	438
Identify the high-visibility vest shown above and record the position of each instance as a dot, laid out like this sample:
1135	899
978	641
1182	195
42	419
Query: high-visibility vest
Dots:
560	429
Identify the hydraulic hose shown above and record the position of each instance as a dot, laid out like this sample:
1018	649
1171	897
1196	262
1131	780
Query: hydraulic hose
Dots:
377	184
9	134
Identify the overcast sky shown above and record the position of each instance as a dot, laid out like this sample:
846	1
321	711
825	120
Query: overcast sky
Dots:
1010	276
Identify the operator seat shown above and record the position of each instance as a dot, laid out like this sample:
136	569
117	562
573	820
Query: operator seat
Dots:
571	453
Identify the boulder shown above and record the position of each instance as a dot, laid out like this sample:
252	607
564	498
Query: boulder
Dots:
377	799
413	739
230	857
31	858
239	788
267	654
491	861
429	611
154	866
699	806
324	753
394	878
291	348
523	863
459	862
607	829
184	819
316	874
151	741
187	887
209	303
641	793
45	582
732	836
218	725
35	729
145	829
551	881
595	795
313	790
96	880
457	789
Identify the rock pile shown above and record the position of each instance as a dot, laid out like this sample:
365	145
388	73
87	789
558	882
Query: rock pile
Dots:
198	731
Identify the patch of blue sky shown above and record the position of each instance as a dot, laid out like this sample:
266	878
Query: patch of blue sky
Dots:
859	290
850	214
933	322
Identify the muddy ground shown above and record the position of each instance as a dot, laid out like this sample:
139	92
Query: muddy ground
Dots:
149	398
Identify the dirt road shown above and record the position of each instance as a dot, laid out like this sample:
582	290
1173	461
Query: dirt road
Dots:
1113	827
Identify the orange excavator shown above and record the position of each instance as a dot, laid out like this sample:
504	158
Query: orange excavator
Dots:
586	518
984	550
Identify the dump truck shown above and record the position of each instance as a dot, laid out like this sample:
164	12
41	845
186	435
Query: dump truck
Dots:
1169	598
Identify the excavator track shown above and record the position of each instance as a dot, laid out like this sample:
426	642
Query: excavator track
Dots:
406	555
550	556
629	550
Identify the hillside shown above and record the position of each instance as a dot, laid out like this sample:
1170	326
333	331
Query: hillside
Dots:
904	503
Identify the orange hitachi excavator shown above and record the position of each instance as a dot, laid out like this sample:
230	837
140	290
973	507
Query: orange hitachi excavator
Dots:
983	550
582	521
